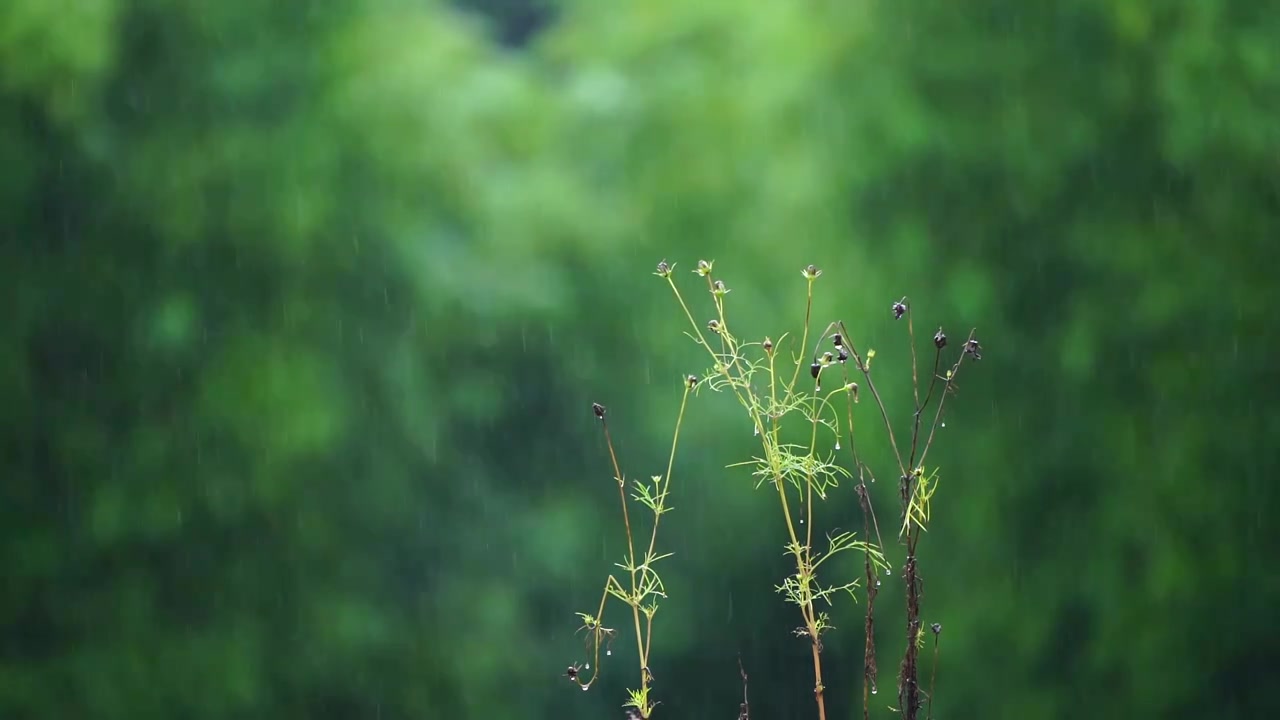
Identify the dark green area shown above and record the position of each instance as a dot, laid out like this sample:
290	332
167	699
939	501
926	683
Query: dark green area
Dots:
306	304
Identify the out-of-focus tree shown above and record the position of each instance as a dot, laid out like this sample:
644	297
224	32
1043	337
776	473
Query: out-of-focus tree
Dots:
267	269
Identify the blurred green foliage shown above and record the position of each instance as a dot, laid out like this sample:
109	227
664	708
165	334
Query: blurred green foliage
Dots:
307	302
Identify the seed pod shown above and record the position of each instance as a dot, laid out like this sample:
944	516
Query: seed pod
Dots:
939	339
598	409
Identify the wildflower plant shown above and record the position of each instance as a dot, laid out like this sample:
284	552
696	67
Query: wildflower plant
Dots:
770	385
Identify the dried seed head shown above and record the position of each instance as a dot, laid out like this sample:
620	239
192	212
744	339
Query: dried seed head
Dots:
704	268
936	628
692	380
598	409
899	309
713	325
972	347
768	345
664	270
940	339
718	288
811	272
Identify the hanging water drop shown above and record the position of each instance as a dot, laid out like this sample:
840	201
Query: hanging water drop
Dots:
944	423
755	430
837	444
608	652
877	583
874	690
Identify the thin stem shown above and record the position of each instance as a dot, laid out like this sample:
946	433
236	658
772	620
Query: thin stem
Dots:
884	413
631	563
671	459
933	680
804	337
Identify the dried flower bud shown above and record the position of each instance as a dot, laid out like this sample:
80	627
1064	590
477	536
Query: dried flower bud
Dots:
811	272
837	340
972	347
768	345
713	325
936	628
664	270
814	369
692	380
899	309
827	358
844	355
598	409
704	268
718	288
940	339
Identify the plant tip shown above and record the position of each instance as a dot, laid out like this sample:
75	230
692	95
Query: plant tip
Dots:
936	628
704	268
899	309
692	380
664	270
768	345
814	369
713	325
718	289
837	340
598	409
939	339
811	272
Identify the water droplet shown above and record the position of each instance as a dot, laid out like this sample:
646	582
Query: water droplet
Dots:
944	424
837	444
755	430
584	688
801	521
873	690
877	583
608	652
818	389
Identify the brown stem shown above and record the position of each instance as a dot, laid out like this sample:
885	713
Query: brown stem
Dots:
817	677
631	552
908	687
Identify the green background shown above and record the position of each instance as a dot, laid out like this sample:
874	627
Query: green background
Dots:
306	304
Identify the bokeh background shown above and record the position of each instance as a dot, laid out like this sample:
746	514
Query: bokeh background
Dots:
305	304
